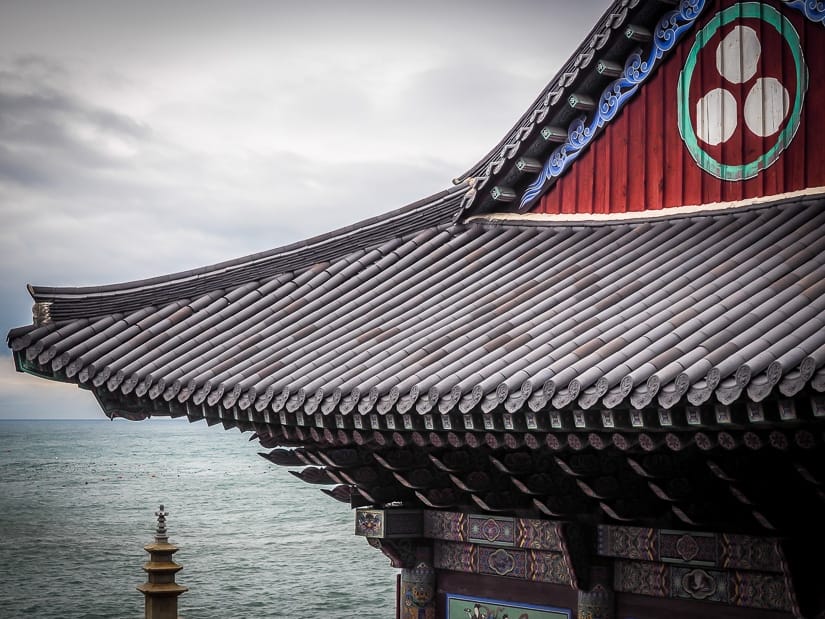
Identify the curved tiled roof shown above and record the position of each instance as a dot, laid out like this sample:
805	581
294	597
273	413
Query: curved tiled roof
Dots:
479	315
68	303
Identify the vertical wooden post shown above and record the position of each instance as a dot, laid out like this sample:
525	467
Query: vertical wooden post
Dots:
417	592
161	591
598	602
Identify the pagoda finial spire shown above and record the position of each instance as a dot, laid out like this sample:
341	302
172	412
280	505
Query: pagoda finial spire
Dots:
160	532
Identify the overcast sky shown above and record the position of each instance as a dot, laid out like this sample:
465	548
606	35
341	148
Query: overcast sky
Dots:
144	138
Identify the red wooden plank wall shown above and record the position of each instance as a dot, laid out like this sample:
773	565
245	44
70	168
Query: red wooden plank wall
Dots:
640	161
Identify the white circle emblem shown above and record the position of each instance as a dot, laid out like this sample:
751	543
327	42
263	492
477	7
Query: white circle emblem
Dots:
737	55
766	106
716	116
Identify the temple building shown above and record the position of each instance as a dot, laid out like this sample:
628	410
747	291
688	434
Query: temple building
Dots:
587	380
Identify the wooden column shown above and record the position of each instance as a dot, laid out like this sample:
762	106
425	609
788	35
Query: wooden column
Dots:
418	592
161	591
398	533
598	602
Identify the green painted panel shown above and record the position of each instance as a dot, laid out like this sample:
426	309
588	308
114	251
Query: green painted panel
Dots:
464	607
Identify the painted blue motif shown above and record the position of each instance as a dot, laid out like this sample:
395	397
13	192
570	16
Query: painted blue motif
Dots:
636	71
813	10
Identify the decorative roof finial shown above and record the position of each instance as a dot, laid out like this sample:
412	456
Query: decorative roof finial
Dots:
160	533
41	313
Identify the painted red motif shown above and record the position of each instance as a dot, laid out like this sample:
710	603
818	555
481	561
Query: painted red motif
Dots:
740	102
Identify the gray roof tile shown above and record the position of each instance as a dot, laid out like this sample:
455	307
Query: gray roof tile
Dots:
427	316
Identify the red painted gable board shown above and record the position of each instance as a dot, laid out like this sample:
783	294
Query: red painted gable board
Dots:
753	120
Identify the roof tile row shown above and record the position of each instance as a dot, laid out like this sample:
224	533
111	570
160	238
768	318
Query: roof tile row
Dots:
71	303
481	315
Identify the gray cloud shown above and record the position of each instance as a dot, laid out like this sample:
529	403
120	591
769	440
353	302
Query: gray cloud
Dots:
77	212
53	141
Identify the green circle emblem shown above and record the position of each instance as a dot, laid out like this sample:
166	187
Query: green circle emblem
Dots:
740	171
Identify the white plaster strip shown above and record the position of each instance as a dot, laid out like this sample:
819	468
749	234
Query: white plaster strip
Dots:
651	214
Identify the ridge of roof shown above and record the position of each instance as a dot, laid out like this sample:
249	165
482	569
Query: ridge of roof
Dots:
65	302
564	112
613	19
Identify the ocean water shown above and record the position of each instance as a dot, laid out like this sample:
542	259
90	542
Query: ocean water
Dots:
78	502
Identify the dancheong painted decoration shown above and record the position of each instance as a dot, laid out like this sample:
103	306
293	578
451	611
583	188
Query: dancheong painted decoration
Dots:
609	407
740	103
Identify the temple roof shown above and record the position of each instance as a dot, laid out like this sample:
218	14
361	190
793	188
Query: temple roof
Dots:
429	316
